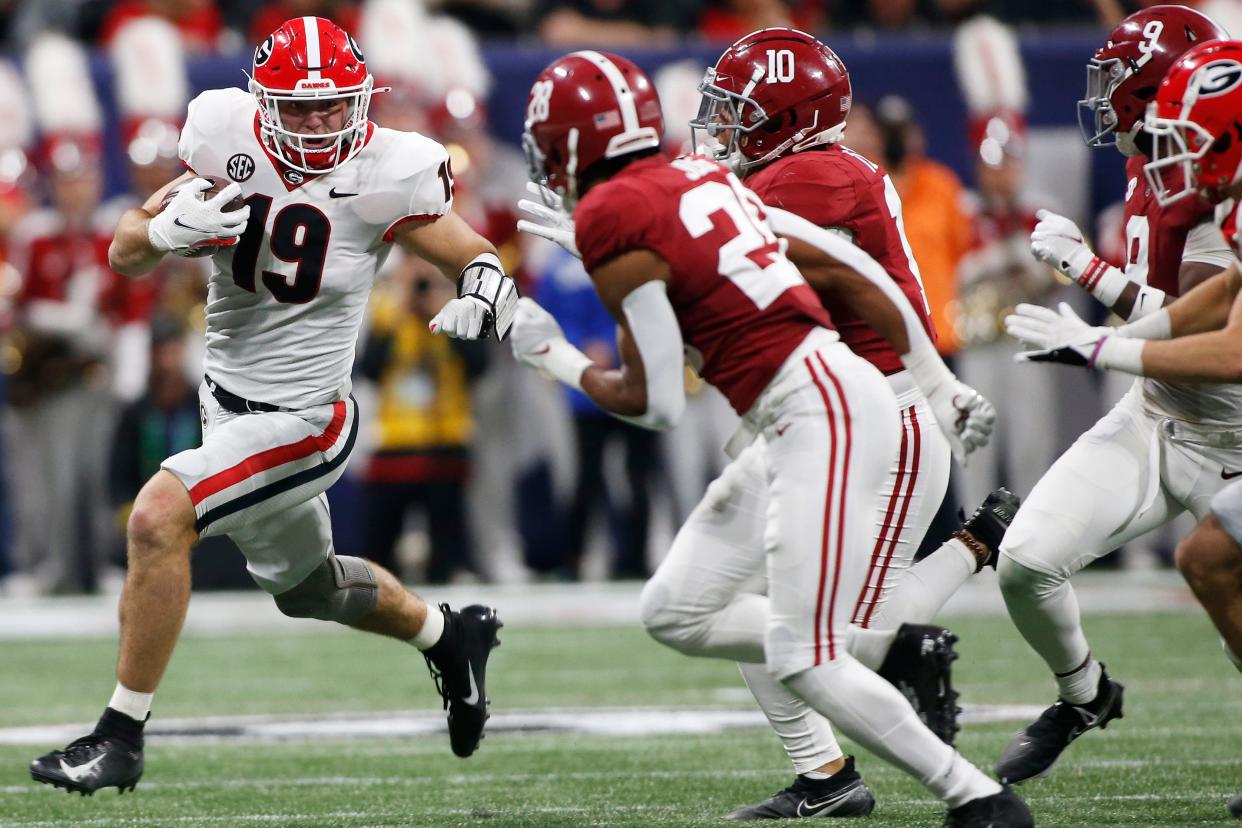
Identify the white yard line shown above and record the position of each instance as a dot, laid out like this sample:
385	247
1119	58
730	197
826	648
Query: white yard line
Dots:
590	604
595	722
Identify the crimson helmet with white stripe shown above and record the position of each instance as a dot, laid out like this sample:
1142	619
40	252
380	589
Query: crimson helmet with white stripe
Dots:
583	108
773	92
1123	75
310	58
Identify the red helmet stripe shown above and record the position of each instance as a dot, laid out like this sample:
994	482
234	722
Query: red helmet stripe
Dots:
313	58
620	88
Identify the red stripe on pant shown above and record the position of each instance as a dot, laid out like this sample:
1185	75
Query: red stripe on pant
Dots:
863	616
271	458
917	440
827	531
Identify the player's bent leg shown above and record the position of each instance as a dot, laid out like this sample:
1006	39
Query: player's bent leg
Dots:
695	602
1210	559
153	606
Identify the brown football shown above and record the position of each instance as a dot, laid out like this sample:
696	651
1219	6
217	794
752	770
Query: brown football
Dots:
217	184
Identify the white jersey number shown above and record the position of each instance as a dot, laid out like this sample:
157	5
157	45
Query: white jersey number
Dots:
750	254
300	235
1137	239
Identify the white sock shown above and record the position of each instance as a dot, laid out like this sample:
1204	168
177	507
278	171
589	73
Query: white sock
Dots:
925	587
432	629
806	735
133	704
1045	610
1080	686
873	713
870	646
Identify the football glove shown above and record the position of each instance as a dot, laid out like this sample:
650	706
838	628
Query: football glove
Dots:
538	341
1058	242
486	301
964	416
189	224
548	219
1060	336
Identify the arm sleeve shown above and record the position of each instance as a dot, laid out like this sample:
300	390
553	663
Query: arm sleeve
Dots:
1205	243
658	337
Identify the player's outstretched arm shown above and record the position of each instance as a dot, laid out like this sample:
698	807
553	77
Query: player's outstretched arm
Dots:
648	389
486	296
963	415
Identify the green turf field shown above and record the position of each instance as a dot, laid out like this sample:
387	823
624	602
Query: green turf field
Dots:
1174	760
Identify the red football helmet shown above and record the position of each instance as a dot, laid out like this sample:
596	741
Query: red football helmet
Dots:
774	91
1123	76
586	107
310	58
1196	124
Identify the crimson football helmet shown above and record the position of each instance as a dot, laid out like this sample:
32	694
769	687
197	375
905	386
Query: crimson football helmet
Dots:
311	59
1123	76
586	107
1196	124
774	91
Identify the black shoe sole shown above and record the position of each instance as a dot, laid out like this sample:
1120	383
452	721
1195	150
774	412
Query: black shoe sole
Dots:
71	787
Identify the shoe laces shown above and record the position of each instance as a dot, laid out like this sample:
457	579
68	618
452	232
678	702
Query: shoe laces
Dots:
82	748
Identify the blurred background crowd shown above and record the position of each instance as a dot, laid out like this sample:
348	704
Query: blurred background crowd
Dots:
471	467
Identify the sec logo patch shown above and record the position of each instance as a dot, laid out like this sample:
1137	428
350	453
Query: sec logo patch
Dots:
240	167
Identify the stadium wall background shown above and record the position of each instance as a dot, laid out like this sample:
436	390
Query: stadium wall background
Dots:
917	67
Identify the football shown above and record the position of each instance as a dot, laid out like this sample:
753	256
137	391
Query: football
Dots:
217	184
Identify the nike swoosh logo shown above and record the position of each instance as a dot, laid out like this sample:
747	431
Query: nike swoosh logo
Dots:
1224	475
781	430
473	698
180	223
332	193
77	773
542	350
808	808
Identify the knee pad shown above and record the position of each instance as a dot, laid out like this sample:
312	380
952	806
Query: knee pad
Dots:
1017	579
341	589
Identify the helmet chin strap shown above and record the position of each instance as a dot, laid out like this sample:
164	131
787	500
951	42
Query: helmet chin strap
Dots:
1126	143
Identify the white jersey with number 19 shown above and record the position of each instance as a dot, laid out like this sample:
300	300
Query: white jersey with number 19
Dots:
285	304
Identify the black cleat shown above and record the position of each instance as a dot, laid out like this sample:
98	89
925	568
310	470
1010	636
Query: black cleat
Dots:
1035	749
1235	806
458	664
1002	810
920	665
95	761
987	526
844	794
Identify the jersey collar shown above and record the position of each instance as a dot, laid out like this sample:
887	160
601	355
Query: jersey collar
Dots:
291	178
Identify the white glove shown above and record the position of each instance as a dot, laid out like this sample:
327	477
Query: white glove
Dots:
1057	241
188	225
963	415
538	341
1045	329
1060	336
547	222
462	318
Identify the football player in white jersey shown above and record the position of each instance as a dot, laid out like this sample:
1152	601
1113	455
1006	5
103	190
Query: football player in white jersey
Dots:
1196	337
326	193
1160	450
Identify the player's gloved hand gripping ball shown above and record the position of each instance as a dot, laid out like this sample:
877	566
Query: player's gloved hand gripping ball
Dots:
198	217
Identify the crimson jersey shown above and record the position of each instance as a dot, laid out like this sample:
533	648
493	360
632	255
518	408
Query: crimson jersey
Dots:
1159	239
741	305
838	188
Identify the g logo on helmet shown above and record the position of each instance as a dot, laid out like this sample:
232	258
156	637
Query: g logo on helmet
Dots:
540	102
1217	78
353	47
264	52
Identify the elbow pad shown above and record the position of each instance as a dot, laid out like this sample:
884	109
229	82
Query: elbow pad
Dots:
658	337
